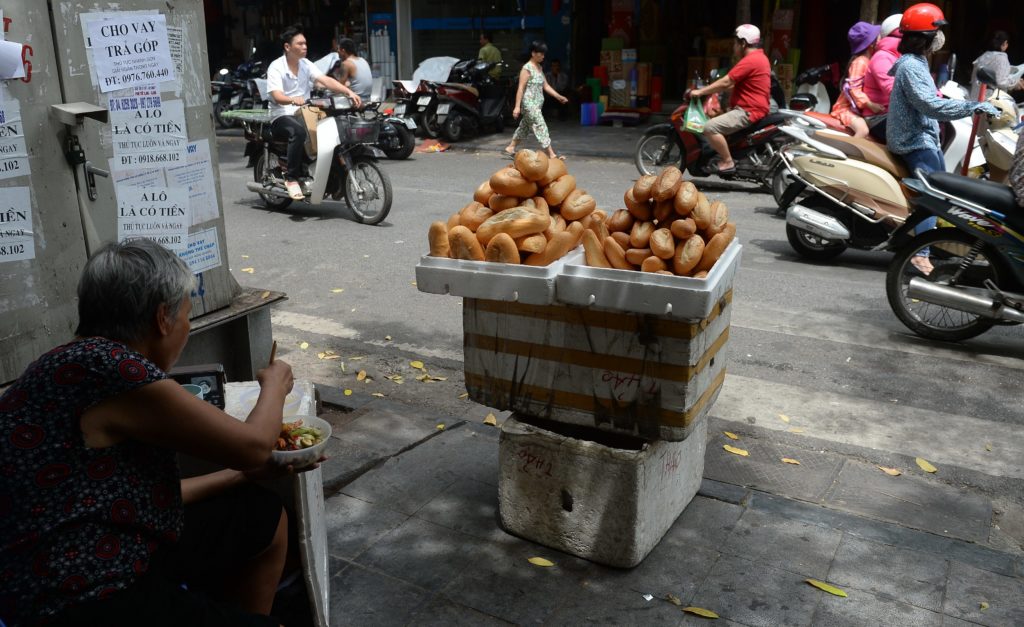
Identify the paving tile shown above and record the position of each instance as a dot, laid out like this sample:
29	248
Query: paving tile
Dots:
441	612
949	621
969	586
615	607
421	553
353	524
363	597
915	502
705	522
468	506
798	547
754	594
892	572
863	608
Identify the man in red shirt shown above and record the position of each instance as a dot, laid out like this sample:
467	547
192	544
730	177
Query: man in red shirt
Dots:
750	82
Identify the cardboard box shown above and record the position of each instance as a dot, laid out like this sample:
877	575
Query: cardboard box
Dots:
611	57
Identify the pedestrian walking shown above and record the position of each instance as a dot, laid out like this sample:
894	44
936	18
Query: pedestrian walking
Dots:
530	102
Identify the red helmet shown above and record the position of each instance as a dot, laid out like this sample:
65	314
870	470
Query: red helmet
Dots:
922	18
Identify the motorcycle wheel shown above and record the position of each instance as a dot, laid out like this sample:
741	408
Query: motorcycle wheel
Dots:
655	150
780	183
218	111
403	144
371	199
454	129
949	250
259	173
811	246
431	127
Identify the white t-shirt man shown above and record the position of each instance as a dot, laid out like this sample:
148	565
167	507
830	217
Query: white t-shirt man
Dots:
280	78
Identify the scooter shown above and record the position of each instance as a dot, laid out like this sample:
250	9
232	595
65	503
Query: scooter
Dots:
344	165
976	275
232	91
811	94
477	100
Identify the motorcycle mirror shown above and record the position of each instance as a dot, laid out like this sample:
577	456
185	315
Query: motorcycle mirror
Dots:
952	65
713	74
985	76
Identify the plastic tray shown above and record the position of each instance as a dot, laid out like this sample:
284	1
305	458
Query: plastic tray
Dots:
645	292
492	281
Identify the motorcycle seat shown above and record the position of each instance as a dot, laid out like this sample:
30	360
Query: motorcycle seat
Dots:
995	196
768	120
463	86
865	150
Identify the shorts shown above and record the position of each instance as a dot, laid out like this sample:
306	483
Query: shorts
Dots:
230	528
728	123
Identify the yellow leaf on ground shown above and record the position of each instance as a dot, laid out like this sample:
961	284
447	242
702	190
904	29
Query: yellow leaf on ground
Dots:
925	466
731	435
540	561
360	375
360	358
890	471
821	585
303	345
491	419
700	611
245	256
416	364
440	426
464	395
674	600
736	451
387	338
265	294
377	394
348	392
248	270
337	290
790	460
795	430
983	606
783	417
988	447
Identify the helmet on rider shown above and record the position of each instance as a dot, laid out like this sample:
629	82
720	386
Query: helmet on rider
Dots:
749	33
922	18
890	24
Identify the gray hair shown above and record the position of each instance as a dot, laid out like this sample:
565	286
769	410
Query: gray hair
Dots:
123	286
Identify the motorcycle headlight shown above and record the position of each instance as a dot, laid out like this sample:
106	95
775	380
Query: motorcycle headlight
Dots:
342	102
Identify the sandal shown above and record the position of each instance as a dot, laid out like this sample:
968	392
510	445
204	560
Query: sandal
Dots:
508	155
294	191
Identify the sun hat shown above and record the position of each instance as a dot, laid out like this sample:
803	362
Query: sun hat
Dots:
861	35
890	24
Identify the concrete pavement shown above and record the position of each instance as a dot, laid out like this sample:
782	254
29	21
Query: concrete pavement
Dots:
414	536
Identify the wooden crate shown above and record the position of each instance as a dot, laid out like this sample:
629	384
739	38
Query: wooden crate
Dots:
633	373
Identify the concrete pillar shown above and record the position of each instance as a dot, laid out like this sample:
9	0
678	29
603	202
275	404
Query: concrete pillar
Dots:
742	11
869	11
403	29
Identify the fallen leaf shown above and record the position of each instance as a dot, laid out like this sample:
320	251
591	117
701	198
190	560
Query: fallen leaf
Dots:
377	394
265	294
540	561
983	606
464	395
783	417
491	419
988	447
821	585
440	426
736	451
790	460
890	471
342	367
360	375
700	611
328	355
348	392
413	283
416	364
387	338
925	466
397	378
360	358
303	345
337	290
249	270
245	256
731	435
674	600
795	430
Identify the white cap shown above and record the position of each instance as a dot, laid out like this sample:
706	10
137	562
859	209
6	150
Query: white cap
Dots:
891	23
749	33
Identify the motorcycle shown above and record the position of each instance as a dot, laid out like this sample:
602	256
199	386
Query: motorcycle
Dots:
811	94
234	91
397	134
976	275
477	100
345	164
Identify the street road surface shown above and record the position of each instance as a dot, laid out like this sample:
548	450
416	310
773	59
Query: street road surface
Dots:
815	342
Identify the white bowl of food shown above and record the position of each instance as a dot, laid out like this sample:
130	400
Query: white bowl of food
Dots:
301	442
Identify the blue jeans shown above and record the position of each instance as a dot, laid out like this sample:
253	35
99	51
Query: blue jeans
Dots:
929	160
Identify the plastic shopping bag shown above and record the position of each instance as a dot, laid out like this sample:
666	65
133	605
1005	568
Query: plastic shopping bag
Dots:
695	117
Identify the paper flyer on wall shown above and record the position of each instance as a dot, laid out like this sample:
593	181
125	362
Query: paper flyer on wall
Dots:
86	19
145	177
158	213
129	50
17	242
203	251
13	151
197	176
149	137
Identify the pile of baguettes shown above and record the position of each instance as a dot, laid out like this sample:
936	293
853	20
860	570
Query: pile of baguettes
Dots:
532	213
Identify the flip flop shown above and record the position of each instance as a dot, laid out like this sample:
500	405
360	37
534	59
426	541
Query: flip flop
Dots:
562	157
508	155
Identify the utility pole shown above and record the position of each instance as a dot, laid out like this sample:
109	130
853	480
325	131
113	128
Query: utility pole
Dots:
742	11
869	10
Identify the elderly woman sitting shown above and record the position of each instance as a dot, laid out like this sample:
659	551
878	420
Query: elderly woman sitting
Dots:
99	527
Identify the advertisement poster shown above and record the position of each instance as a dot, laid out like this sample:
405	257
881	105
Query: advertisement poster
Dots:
13	151
129	50
197	176
149	137
158	213
16	239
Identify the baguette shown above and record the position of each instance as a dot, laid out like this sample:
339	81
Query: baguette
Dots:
577	229
701	213
483	193
438	236
541	204
499	202
719	218
643	187
666	185
621	220
662	243
641	234
688	254
560	244
636	256
664	212
556	169
454	220
502	249
715	247
559	189
615	255
703	274
639	210
473	215
685	199
594	251
622	238
683	229
517	222
578	205
557	225
464	245
653	264
531	243
533	164
510	182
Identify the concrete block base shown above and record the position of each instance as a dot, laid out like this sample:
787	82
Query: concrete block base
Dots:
604	497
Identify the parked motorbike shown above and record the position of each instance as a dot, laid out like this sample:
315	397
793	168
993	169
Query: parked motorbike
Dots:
976	279
811	94
397	134
236	90
477	100
345	165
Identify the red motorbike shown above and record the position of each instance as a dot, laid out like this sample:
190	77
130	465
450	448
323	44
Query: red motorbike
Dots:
472	100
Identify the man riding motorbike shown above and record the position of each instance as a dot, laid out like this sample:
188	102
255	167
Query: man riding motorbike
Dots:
750	82
353	70
289	81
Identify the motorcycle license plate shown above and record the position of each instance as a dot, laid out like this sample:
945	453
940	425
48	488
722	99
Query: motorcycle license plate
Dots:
409	124
442	109
237	98
400	109
423	101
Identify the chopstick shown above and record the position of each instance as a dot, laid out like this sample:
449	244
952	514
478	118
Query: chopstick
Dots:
273	352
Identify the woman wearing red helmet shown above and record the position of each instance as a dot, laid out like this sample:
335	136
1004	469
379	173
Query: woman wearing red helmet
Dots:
912	129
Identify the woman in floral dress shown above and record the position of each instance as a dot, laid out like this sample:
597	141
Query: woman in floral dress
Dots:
530	102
